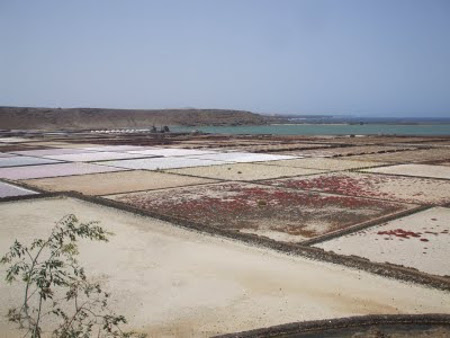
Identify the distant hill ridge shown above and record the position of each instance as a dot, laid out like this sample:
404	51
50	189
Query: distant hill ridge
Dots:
97	118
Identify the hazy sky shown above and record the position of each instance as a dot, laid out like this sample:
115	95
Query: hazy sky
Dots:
385	58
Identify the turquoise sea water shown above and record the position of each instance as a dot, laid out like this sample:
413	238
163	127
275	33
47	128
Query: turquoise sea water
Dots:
327	129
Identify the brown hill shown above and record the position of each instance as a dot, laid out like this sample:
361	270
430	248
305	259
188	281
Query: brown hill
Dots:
98	118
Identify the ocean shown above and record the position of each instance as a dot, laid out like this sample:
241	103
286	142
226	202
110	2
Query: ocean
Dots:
326	129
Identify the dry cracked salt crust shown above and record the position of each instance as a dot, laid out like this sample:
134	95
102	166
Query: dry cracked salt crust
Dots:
185	283
418	170
115	182
420	240
261	209
388	187
244	172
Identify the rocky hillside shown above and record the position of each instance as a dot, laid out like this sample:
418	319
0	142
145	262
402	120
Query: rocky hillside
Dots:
97	118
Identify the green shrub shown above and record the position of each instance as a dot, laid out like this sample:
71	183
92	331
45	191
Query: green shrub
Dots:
56	286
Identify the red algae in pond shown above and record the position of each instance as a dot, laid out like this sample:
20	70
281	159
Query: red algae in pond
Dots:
400	233
238	206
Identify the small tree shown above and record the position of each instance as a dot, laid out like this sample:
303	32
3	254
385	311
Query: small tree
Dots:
56	288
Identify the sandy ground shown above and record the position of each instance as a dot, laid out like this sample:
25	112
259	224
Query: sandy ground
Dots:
53	170
244	172
427	249
394	188
407	156
160	163
419	170
175	283
324	164
7	190
116	182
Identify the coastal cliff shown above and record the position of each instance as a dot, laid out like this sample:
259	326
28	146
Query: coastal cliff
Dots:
97	118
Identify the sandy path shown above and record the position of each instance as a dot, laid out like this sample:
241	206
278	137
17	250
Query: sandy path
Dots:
116	182
169	281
